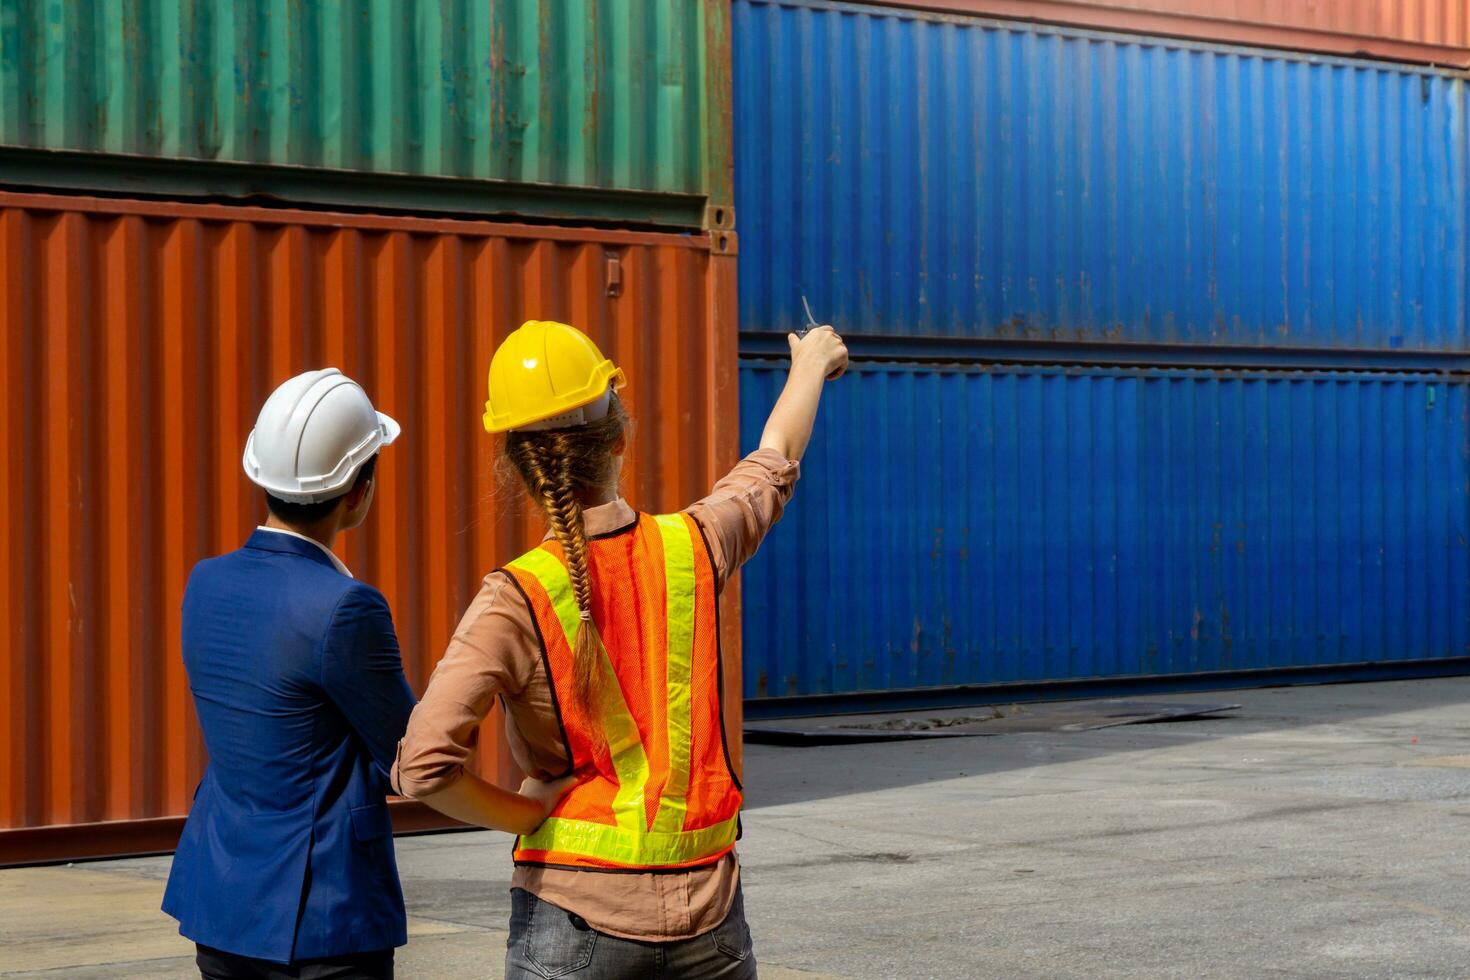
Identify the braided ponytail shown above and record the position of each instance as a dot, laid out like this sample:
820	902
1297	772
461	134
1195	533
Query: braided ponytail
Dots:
559	468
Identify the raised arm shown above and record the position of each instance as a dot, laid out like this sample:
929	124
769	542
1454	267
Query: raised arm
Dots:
817	358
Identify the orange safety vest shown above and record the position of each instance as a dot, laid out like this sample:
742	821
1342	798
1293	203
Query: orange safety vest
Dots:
659	790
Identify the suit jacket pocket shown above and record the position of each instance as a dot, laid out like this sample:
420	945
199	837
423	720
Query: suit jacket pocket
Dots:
371	822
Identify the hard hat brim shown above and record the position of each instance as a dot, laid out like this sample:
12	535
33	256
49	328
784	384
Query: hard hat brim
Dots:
391	429
606	377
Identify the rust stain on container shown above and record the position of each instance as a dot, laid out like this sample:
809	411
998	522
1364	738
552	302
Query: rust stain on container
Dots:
139	341
1435	32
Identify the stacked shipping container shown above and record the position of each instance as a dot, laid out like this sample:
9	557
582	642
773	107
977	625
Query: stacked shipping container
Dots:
1268	251
1435	32
140	336
983	525
611	109
1159	345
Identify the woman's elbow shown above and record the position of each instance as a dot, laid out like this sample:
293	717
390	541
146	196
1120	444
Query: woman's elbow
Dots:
419	778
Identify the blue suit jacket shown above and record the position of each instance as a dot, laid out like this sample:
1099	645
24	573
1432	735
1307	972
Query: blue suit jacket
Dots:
288	852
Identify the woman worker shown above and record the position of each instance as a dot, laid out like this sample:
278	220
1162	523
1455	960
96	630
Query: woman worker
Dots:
603	644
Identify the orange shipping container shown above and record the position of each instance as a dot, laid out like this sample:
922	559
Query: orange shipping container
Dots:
139	341
1435	32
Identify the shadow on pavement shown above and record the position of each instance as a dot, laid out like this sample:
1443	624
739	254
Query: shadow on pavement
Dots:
776	775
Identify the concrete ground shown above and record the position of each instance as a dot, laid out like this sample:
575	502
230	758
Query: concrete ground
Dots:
1319	832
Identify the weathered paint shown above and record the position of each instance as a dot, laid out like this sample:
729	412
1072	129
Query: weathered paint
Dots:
981	526
1429	31
139	341
604	94
919	175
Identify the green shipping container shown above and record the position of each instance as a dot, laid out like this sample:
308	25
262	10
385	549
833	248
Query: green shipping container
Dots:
612	109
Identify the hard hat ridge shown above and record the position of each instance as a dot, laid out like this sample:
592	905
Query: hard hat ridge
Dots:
548	375
312	436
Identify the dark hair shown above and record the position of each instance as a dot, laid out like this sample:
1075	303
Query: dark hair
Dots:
303	514
559	468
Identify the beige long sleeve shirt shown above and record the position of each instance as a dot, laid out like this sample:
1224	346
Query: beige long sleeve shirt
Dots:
494	653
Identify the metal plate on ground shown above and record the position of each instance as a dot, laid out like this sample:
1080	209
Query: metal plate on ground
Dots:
1063	716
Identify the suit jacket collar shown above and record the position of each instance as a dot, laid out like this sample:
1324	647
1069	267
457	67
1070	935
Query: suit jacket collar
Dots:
288	545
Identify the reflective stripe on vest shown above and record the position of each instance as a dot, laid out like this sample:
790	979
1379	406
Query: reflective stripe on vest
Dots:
630	841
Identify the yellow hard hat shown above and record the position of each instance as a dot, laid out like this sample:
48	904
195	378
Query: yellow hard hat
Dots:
547	375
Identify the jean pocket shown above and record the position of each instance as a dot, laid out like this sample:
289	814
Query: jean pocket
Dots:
557	944
732	937
371	822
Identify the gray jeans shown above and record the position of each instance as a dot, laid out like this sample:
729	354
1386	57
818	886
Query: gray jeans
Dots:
547	941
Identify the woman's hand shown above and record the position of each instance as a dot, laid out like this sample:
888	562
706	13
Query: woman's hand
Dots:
817	358
822	349
546	794
471	800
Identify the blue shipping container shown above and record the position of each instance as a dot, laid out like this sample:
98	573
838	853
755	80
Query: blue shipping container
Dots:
986	525
918	174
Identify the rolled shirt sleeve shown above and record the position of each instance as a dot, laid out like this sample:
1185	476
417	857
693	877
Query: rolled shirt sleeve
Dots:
743	507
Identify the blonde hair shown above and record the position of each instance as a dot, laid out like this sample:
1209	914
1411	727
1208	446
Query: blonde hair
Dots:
559	468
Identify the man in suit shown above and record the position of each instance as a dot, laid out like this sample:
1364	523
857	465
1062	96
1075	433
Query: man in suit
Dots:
286	867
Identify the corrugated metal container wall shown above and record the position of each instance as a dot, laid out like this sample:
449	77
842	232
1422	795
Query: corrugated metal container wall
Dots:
922	175
1018	524
139	341
609	94
1430	31
956	193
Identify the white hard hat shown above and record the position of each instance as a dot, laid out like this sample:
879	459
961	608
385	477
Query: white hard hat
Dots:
313	435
